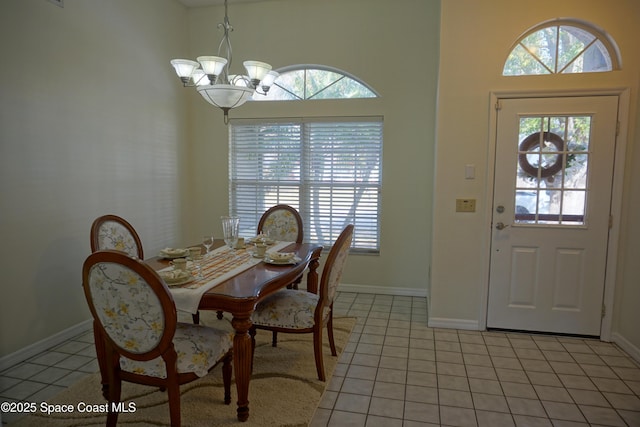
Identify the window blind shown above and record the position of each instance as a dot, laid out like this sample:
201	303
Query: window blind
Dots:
329	169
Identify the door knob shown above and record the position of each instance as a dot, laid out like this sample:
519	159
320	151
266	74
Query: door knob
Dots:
501	226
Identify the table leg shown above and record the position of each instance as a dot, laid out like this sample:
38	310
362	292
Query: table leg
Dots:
242	361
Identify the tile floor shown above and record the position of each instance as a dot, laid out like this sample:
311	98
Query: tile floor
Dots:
48	373
396	371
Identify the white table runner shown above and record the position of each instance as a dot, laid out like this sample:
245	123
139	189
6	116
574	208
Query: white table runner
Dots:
218	266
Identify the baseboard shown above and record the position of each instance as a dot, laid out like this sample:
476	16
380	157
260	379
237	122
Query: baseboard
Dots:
383	290
627	346
25	353
441	322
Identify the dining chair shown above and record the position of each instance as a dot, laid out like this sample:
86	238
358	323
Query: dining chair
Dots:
114	232
300	311
283	223
143	342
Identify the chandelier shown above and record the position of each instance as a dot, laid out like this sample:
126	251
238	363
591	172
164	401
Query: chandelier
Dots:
210	75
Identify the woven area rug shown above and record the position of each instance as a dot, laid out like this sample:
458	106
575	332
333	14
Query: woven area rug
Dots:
284	390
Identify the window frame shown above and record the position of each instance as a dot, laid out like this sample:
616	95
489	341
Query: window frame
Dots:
306	68
599	35
367	234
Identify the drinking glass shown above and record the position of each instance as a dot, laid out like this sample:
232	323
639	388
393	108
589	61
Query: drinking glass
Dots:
230	227
207	241
265	235
197	261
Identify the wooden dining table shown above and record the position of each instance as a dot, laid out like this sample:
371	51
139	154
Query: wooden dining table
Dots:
239	295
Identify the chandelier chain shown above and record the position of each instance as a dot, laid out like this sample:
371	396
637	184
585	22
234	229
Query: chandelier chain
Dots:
225	43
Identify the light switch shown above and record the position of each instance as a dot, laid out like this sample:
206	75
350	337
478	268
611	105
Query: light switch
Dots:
469	171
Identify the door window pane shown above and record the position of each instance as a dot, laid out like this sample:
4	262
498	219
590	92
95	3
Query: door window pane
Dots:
573	203
552	165
576	171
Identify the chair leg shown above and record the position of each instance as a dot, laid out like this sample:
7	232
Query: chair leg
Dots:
295	283
317	351
298	281
226	376
170	358
114	389
173	390
112	416
332	343
101	355
196	318
252	332
274	339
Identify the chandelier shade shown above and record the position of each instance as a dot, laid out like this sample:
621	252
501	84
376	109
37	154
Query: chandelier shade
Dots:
256	70
210	75
212	66
225	96
199	77
270	78
184	68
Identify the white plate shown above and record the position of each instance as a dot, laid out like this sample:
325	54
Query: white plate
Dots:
291	261
180	282
173	276
177	282
267	242
174	255
280	256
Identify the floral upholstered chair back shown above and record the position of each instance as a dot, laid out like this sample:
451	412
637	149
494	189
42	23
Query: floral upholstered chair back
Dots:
113	232
334	266
128	308
282	223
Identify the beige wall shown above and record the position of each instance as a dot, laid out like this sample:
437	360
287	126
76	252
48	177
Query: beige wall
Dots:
391	45
475	40
92	121
627	317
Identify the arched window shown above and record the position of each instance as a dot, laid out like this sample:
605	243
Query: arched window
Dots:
300	82
328	168
562	46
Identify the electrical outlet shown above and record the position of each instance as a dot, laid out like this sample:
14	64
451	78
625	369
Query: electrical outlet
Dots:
465	205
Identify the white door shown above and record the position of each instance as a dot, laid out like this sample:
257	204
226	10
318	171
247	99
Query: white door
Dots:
551	213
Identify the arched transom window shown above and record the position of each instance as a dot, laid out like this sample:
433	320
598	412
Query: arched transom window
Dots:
562	46
302	82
